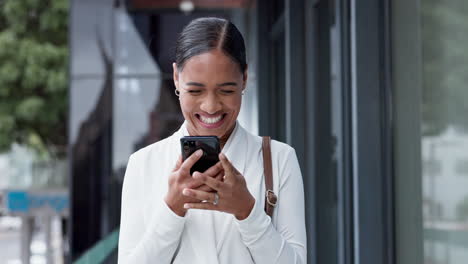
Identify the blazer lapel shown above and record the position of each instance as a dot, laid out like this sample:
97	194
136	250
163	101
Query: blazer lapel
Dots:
236	151
199	226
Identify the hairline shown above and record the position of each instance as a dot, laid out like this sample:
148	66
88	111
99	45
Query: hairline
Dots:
180	68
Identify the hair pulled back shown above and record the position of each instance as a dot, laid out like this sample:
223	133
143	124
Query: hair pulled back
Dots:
210	33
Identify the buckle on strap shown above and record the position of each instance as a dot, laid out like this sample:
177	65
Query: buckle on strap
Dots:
271	198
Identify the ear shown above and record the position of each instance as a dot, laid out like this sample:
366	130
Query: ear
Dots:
175	75
244	79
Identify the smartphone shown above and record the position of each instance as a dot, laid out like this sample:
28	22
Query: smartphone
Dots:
210	147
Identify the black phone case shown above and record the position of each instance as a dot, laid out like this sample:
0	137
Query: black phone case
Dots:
210	147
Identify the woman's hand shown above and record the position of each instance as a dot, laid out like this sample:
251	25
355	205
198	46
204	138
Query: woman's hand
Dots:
233	195
180	179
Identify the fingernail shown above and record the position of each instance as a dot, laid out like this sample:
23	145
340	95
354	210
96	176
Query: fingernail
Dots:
199	152
185	192
186	206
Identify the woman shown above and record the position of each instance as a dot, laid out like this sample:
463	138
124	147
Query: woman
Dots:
169	216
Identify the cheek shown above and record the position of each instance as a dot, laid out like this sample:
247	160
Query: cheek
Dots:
235	104
187	105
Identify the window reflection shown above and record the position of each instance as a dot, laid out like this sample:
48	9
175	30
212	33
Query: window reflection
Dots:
445	131
145	111
88	20
132	54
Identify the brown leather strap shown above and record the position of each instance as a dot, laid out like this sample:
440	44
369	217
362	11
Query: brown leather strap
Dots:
270	197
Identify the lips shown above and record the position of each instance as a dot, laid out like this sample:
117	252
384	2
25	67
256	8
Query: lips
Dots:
211	121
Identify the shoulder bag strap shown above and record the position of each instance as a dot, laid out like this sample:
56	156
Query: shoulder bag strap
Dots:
270	197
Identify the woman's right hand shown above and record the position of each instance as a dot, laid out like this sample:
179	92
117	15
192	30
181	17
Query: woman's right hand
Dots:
180	179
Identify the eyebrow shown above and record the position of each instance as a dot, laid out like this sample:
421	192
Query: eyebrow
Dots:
221	84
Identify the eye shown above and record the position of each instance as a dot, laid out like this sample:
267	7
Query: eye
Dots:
194	91
227	91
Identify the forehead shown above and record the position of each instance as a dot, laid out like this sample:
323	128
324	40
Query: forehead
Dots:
213	63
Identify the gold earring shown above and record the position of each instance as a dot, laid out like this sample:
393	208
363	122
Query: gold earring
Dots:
177	92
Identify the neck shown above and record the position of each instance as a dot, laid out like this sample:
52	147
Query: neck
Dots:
225	137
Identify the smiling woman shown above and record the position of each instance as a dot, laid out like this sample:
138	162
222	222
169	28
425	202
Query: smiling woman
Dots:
210	88
210	74
161	217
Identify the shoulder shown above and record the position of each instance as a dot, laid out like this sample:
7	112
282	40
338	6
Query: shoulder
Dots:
281	153
155	151
278	149
281	147
151	165
284	162
284	155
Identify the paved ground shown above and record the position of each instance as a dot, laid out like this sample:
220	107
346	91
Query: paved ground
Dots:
10	243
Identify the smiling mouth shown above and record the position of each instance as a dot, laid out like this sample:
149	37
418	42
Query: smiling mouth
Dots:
210	120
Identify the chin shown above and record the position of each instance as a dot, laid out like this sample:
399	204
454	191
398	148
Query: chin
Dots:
212	132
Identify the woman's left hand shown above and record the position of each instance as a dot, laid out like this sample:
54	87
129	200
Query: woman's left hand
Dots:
233	195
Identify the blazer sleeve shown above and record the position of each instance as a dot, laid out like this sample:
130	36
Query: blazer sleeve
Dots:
287	243
159	238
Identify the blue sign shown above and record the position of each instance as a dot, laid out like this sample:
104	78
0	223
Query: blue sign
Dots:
17	201
22	201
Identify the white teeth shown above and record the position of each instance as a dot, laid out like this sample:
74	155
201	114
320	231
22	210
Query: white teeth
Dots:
210	120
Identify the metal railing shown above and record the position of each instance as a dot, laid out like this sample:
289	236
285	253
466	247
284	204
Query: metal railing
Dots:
101	250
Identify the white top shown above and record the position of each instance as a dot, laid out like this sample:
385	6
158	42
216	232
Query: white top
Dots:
151	233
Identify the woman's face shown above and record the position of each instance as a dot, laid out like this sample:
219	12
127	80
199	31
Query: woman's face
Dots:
210	86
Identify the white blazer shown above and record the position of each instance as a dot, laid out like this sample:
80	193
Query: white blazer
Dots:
151	233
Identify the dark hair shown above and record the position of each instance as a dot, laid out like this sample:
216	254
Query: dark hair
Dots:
209	33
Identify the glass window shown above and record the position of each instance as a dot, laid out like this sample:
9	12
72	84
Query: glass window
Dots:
461	168
435	138
90	35
145	111
85	95
444	129
131	47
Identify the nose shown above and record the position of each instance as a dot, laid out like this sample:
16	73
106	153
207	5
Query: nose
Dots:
211	104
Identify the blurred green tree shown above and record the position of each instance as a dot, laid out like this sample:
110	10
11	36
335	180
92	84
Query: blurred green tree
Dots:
445	66
34	74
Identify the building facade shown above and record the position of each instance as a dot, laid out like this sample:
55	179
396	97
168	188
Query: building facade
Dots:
371	94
